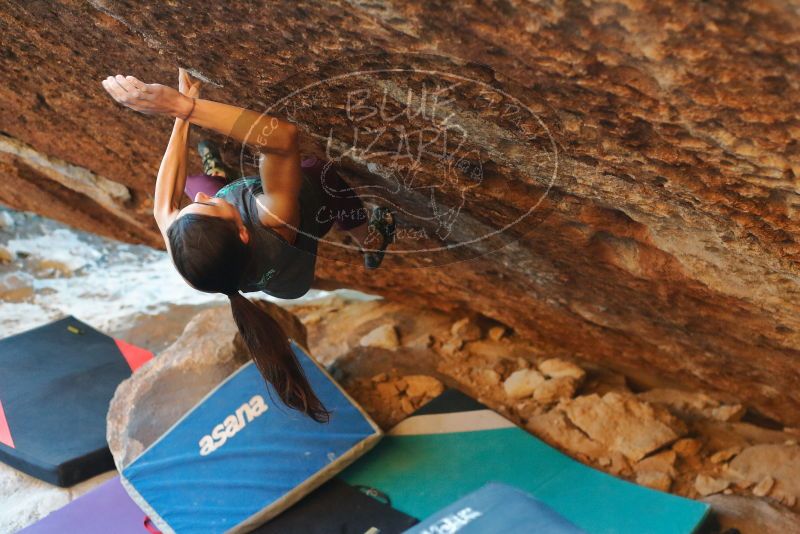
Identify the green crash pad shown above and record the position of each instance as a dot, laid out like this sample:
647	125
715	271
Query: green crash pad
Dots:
454	445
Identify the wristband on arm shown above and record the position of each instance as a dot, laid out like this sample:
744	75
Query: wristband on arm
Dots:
188	115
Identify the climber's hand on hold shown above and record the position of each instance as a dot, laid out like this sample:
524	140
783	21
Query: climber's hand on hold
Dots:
188	86
149	98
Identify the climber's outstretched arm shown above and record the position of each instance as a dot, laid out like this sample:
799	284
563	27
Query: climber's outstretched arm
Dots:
171	178
279	164
276	139
265	133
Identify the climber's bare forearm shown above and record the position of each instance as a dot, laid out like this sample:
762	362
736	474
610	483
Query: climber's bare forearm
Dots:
265	133
276	139
171	177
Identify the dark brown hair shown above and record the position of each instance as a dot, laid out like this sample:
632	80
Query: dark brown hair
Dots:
209	254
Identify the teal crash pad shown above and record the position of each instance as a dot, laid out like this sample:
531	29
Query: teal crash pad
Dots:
454	445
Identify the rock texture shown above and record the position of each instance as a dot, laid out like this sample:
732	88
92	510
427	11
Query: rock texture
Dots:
623	424
641	159
390	398
522	383
752	516
161	391
774	469
598	420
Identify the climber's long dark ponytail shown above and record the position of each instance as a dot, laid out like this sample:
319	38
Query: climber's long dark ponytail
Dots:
209	254
272	354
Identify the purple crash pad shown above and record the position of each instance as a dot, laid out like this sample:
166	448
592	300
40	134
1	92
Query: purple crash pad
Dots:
105	509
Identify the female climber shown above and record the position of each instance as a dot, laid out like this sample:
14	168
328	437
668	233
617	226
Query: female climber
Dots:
254	233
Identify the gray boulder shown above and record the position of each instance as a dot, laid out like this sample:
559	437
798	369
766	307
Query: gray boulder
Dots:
753	516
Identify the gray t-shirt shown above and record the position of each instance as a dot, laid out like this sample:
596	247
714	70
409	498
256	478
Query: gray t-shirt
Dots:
277	267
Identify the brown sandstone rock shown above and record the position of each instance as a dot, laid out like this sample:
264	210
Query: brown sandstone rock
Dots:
763	488
507	348
389	398
489	377
421	342
452	346
656	480
407	406
16	287
420	386
558	368
693	404
663	462
496	333
624	424
522	383
466	330
687	446
387	391
556	429
384	337
728	412
708	485
719	435
725	455
779	462
680	400
555	389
